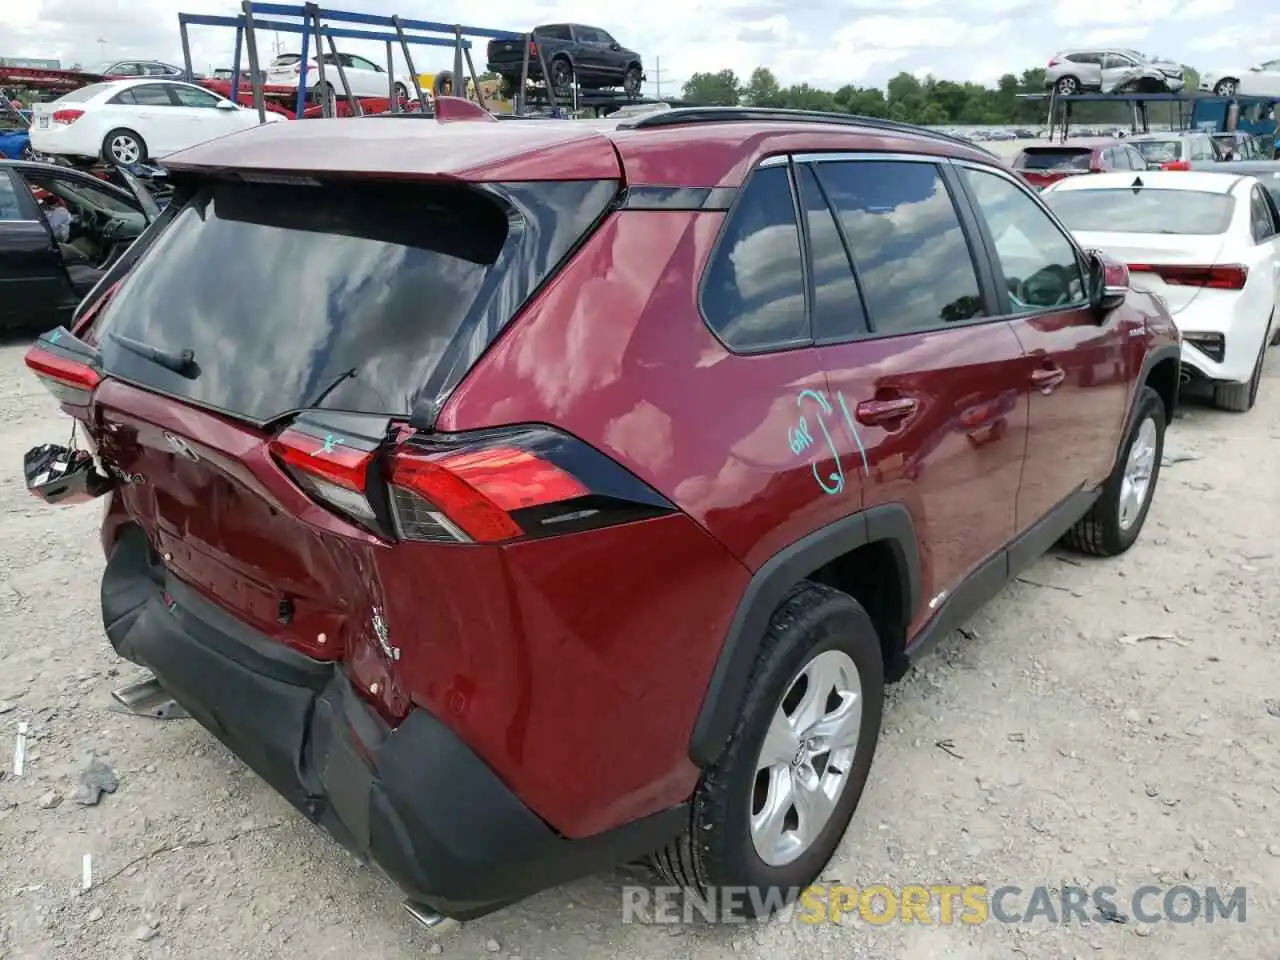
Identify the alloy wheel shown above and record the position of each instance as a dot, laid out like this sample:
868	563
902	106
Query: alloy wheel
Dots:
1135	484
125	149
805	760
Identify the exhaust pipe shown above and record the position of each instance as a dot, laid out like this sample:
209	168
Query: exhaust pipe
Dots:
437	924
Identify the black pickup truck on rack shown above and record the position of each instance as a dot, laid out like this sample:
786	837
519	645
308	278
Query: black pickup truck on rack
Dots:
573	53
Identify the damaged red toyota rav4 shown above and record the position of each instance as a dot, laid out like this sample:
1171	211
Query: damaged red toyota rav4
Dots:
576	502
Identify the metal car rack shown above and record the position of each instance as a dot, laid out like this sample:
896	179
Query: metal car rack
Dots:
312	21
1183	108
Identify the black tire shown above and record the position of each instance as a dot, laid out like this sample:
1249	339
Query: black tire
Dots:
716	848
1100	532
1068	85
1241	397
632	81
1226	87
561	76
402	92
114	152
323	92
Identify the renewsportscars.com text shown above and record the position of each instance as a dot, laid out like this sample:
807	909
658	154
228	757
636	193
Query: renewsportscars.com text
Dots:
938	904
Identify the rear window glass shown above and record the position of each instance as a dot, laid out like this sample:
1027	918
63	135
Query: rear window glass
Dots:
1144	211
83	94
342	297
1159	151
1064	158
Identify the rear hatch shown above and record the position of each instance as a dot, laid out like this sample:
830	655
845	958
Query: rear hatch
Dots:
1041	166
271	343
1171	239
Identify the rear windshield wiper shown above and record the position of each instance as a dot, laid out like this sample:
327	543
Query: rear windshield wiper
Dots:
182	362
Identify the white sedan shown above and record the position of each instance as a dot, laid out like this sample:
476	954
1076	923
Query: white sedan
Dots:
132	121
1260	80
365	78
1208	244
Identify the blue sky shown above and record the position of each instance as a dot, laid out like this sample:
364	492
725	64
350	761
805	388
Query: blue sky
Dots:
823	42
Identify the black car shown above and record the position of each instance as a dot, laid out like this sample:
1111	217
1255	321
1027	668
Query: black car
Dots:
42	278
573	53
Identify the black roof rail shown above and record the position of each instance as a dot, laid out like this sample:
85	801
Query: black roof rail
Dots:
683	115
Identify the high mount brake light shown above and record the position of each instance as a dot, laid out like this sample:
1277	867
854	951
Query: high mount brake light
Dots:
491	487
69	382
1214	277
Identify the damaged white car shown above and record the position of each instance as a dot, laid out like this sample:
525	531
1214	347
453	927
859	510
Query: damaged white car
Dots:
1111	71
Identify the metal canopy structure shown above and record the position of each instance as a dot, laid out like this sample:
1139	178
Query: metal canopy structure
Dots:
1185	110
311	21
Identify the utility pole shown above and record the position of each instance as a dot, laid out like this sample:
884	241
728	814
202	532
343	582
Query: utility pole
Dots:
657	77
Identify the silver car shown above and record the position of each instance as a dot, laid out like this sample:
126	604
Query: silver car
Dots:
1111	71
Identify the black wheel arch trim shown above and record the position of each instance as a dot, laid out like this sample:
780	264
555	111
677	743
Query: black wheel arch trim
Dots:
888	523
1167	351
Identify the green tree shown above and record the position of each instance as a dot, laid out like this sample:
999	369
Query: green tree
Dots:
762	89
720	89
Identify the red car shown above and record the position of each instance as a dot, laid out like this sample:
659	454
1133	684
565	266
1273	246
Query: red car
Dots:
522	498
1048	163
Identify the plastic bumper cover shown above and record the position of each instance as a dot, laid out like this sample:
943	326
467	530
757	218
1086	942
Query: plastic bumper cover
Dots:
417	802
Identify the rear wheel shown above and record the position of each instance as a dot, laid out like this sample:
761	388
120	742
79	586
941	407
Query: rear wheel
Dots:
402	92
124	147
1067	86
1116	518
631	82
1240	397
1226	87
561	76
770	812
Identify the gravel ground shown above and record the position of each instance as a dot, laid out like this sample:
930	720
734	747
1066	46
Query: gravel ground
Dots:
1073	753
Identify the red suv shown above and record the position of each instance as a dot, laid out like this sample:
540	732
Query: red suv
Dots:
520	498
1045	164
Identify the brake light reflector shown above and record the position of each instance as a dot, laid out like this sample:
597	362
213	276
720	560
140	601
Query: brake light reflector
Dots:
328	470
1230	276
67	116
69	382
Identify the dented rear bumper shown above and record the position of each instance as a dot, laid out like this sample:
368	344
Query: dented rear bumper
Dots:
416	802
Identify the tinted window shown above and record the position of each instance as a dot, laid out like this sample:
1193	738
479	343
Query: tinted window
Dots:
1160	151
193	97
1260	215
360	63
390	277
837	308
147	95
908	247
1146	211
556	31
588	34
753	296
1054	158
10	209
1039	263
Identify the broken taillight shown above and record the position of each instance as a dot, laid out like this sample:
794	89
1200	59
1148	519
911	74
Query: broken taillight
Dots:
488	487
1230	276
69	380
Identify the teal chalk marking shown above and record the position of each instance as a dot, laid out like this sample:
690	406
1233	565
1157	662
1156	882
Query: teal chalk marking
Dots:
844	408
55	336
330	442
836	479
799	437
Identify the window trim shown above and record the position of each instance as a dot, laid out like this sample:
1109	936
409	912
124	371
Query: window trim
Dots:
776	160
867	329
993	257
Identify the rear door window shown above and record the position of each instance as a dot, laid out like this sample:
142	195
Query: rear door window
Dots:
837	305
753	293
146	95
347	297
911	254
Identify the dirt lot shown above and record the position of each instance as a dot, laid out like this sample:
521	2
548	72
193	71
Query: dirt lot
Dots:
1071	755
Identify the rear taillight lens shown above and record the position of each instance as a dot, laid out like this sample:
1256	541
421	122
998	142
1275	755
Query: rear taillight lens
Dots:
1054	62
486	487
70	380
533	49
1215	277
1176	165
67	116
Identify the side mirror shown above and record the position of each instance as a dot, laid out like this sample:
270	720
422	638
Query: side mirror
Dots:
1108	283
226	105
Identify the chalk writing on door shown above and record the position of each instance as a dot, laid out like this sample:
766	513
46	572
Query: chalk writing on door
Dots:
801	440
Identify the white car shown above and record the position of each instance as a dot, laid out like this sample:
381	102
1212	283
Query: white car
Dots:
133	121
1260	80
365	77
1208	244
